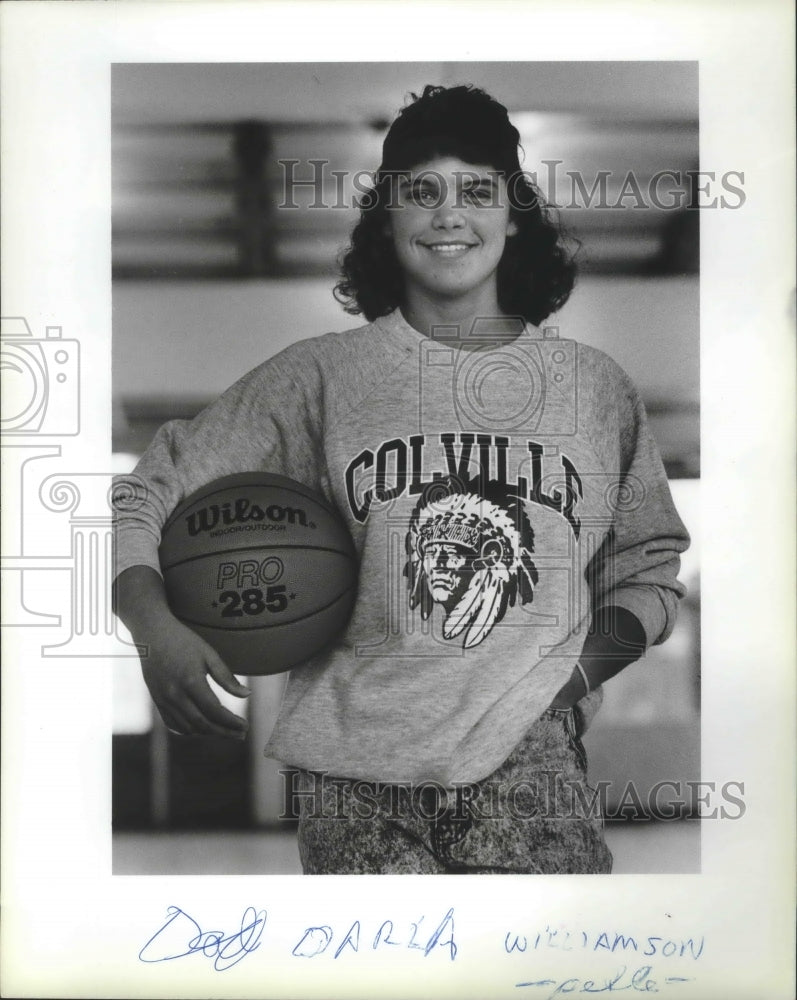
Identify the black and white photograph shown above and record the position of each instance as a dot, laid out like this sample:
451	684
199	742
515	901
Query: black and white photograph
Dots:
397	441
465	415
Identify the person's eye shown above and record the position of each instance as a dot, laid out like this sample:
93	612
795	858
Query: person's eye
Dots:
423	195
479	194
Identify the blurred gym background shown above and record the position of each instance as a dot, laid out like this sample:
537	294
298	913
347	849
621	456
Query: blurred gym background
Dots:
211	276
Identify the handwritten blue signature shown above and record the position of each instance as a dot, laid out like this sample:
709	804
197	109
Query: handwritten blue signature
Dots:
187	936
641	981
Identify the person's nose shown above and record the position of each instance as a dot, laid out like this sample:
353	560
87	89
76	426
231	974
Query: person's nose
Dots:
449	213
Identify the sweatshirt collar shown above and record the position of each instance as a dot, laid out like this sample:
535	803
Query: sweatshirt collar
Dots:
398	330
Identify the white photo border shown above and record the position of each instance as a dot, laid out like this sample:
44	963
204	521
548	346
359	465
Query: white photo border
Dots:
72	929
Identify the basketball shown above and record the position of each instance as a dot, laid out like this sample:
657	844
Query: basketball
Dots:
262	568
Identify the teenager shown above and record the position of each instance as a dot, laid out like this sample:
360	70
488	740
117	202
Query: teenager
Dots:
517	540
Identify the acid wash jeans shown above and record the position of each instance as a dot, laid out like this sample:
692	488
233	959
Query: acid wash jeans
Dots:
536	814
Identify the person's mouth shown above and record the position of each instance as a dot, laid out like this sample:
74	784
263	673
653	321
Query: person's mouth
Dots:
449	248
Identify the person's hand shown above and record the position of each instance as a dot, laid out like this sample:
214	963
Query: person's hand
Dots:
175	667
176	661
569	693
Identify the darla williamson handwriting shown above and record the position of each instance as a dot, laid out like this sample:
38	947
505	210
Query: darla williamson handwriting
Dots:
181	935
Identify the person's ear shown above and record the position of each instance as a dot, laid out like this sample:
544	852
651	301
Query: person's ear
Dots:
511	228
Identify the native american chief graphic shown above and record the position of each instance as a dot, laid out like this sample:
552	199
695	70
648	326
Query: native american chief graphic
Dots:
469	550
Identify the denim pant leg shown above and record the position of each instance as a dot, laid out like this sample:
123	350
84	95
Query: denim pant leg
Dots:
534	814
351	827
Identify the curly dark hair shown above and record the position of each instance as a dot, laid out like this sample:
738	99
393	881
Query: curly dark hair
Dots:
537	271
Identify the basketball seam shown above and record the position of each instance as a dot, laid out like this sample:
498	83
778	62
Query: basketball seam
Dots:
260	628
249	548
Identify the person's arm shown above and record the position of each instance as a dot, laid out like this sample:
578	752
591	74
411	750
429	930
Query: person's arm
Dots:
615	640
175	661
260	423
636	567
633	578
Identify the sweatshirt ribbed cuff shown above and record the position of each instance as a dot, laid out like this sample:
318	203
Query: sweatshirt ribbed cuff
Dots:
134	547
646	605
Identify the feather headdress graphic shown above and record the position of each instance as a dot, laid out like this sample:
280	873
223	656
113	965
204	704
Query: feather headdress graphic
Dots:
469	547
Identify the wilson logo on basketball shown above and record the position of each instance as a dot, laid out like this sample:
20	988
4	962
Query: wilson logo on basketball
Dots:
240	512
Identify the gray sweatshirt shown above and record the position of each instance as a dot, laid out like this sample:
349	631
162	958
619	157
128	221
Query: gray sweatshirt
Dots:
496	497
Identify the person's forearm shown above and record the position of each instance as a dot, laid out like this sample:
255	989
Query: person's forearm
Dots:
139	599
615	640
175	662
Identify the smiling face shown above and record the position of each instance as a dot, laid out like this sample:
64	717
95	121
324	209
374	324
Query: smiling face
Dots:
449	223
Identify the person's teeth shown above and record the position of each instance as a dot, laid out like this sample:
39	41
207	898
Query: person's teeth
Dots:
448	247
